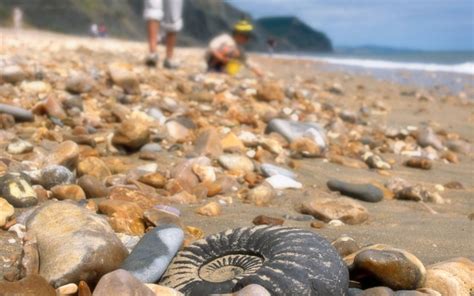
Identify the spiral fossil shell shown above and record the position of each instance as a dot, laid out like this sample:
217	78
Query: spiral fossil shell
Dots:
285	261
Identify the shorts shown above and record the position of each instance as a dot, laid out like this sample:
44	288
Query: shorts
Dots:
168	12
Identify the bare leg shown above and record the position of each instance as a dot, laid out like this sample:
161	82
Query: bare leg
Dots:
170	43
153	28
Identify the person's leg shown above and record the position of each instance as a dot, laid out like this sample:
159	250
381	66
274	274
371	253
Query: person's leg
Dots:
172	23
170	43
153	14
153	29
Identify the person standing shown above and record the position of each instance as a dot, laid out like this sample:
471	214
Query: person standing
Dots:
168	15
17	18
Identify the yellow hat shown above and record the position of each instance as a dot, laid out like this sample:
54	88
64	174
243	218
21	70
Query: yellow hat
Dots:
243	26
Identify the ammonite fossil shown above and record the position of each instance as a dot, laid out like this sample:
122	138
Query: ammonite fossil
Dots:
285	261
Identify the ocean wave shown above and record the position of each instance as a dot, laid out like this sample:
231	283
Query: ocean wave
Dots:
463	68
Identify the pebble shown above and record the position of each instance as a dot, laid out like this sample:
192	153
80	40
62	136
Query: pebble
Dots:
235	162
19	114
266	220
12	74
451	277
419	163
65	154
318	224
30	285
154	252
17	191
376	162
123	77
426	137
157	217
345	245
68	289
454	185
70	191
121	282
19	147
151	147
179	129
163	291
396	269
132	134
459	146
6	211
261	195
208	143
305	147
156	180
364	192
270	91
53	175
210	209
183	172
280	182
93	166
79	83
123	216
345	209
292	130
92	248
204	173
92	187
231	143
270	170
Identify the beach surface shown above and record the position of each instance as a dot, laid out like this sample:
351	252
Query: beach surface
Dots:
433	232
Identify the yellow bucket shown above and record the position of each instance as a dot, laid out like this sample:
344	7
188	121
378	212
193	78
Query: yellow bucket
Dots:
233	67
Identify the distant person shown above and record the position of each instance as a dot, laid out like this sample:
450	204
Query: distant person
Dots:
17	18
226	52
94	30
168	14
271	43
102	30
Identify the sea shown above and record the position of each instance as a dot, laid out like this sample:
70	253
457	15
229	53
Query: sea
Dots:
450	70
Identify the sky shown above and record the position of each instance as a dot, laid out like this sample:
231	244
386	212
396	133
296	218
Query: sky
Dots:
413	24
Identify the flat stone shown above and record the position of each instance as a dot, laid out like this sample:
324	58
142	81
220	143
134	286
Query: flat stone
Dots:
364	192
292	130
208	143
345	209
53	175
92	186
272	170
154	252
93	166
6	211
69	191
389	267
123	216
266	220
30	285
157	217
151	147
131	134
236	162
92	248
121	282
16	189
451	277
283	182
